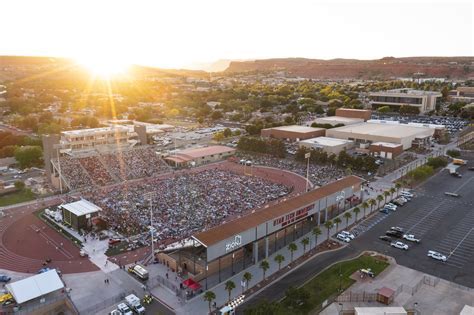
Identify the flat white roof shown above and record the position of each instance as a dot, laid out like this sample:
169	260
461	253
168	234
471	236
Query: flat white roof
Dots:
326	141
377	310
83	132
412	124
295	128
339	119
384	130
81	207
35	286
387	144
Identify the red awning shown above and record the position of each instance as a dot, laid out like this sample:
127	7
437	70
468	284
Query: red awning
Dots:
190	283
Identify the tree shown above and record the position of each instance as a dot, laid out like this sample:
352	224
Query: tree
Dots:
29	156
328	225
386	194
365	205
264	265
347	216
279	259
453	153
337	221
19	185
316	232
216	115
384	109
292	247
392	191
304	242
229	286
218	136
356	211
227	132
247	277
397	187
372	203
209	296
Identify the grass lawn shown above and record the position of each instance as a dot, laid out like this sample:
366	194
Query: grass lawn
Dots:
16	197
326	284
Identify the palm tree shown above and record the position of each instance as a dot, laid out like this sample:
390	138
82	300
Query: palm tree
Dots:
337	221
392	191
209	296
365	205
279	259
328	225
229	286
356	211
397	187
386	194
379	200
304	242
347	215
247	276
372	203
316	231
292	247
264	265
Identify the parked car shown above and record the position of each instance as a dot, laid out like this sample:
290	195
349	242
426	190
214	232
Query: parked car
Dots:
456	174
348	234
5	278
390	208
411	238
385	238
397	228
393	233
385	210
436	255
399	202
391	205
406	193
399	245
124	309
343	238
471	168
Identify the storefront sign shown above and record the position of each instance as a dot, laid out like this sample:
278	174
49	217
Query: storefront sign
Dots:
234	244
292	217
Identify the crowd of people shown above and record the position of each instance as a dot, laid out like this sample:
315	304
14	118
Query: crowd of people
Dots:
135	163
319	175
101	170
96	170
183	204
74	174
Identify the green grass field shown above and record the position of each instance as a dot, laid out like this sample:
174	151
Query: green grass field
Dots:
327	283
16	197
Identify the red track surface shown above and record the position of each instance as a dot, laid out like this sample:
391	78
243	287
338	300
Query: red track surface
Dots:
24	249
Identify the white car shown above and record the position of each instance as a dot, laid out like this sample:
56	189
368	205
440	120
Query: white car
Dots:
404	199
407	194
399	245
436	255
343	238
411	238
391	205
348	234
397	228
124	309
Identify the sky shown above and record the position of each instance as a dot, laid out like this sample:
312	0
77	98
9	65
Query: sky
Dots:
180	33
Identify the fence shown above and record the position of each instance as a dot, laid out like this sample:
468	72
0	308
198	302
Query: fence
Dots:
357	297
159	280
95	308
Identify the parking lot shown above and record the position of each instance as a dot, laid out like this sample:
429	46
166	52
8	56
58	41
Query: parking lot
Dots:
453	124
444	224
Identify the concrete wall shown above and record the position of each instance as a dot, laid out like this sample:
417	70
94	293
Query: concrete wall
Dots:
292	135
352	113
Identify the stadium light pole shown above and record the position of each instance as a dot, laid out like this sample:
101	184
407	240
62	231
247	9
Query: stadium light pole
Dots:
150	195
59	170
307	156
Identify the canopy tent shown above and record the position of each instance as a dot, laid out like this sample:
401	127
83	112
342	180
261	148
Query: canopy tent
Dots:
35	286
191	284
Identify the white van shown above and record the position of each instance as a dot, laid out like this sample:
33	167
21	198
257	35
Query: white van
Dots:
134	302
140	271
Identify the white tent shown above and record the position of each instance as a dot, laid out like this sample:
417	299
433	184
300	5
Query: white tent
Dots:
35	286
81	207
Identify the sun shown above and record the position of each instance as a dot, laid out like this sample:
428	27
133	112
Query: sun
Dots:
103	66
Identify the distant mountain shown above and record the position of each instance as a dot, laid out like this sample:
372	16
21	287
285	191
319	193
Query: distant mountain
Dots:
385	68
19	67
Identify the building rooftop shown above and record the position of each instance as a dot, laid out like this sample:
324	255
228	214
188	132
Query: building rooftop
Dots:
295	128
384	129
205	151
35	286
387	144
262	215
406	92
339	119
326	141
92	131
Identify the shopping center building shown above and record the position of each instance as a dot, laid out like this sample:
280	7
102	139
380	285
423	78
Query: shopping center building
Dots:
251	238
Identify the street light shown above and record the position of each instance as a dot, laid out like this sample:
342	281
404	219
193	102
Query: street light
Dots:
307	156
207	268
